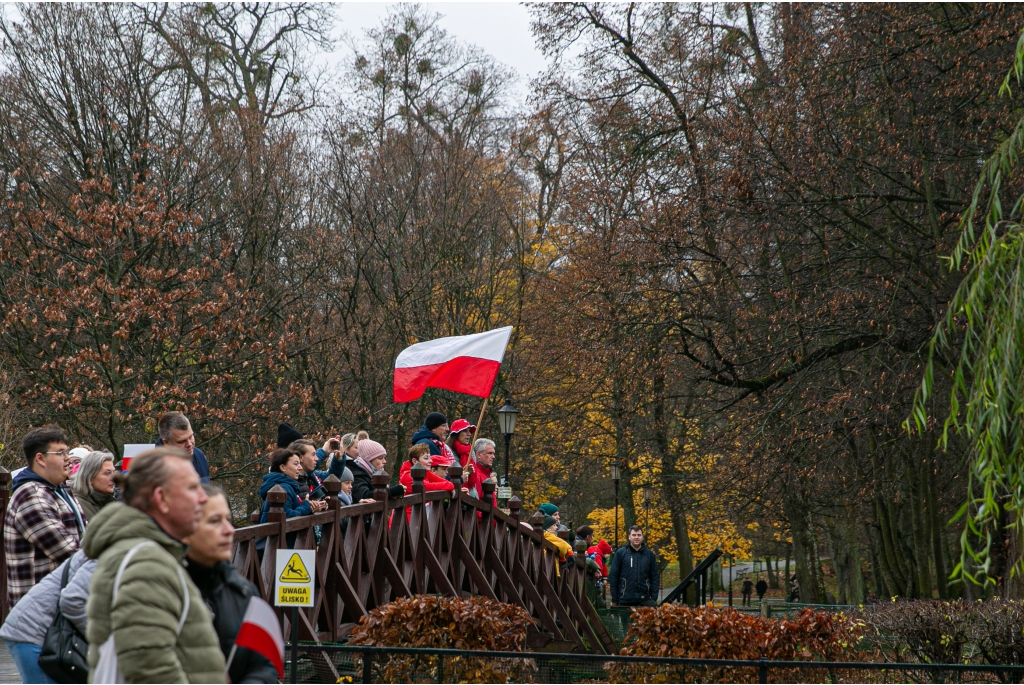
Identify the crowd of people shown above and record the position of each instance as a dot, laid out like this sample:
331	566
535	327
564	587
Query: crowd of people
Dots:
132	569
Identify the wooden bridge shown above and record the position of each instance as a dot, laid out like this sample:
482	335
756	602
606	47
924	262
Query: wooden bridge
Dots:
425	542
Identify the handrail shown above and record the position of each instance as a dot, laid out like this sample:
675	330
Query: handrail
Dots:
697	572
442	542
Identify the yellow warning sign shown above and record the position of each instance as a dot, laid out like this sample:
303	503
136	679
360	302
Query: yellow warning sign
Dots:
294	595
295	572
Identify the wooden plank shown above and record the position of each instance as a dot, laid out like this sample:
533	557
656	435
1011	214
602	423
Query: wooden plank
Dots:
548	590
539	611
475	573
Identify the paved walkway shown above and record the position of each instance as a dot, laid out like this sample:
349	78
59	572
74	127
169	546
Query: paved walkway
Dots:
8	673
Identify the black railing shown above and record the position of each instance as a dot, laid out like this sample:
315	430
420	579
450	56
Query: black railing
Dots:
405	664
697	577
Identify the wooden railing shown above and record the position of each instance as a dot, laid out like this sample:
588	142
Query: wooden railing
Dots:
426	542
422	543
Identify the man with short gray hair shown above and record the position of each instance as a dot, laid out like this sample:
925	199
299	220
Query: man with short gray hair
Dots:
159	626
176	431
482	458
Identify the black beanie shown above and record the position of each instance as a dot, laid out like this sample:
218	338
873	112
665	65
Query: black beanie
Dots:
286	435
434	419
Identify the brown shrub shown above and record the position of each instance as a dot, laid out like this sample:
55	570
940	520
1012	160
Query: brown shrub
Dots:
707	633
431	621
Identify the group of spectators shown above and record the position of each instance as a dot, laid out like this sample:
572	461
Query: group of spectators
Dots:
137	566
631	574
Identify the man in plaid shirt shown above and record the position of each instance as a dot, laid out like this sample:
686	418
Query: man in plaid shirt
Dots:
43	525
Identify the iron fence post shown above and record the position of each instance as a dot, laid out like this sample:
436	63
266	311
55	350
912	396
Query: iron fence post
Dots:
367	672
762	672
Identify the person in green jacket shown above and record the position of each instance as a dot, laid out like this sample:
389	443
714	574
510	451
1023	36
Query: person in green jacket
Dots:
159	637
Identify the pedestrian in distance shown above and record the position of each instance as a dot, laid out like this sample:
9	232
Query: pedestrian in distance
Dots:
746	590
223	588
148	622
43	525
634	576
66	590
175	430
93	484
761	587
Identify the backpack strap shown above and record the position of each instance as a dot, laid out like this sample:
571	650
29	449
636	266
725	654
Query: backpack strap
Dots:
187	602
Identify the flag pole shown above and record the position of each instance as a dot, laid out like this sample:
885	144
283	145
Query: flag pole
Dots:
483	408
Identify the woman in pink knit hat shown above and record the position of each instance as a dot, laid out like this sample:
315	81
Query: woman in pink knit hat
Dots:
372	458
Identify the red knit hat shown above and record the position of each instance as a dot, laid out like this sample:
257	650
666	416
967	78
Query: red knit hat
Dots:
461	425
604	548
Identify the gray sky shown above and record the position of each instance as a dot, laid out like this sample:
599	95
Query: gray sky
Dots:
502	29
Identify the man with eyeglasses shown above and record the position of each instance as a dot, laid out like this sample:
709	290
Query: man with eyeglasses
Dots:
43	525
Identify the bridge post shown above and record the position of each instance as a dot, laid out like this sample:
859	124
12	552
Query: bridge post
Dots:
418	473
455	476
514	505
276	498
454	515
254	517
333	486
379	534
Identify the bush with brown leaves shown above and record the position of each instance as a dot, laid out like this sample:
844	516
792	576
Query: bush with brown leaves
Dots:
431	621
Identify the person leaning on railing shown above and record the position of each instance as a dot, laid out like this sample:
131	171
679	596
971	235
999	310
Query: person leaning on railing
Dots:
285	469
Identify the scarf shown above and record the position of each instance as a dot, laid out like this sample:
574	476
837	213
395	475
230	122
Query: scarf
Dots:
463	452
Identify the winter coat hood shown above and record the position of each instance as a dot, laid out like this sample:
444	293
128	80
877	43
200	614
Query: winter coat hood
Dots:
276	478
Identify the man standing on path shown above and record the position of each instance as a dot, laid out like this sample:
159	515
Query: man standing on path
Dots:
747	589
176	431
43	525
761	587
634	576
162	631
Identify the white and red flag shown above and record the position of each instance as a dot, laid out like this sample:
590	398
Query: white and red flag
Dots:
261	633
464	363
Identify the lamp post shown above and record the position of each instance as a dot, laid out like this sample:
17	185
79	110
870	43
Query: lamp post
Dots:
507	424
615	479
648	496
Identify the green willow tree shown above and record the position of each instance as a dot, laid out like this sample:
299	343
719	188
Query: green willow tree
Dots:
985	320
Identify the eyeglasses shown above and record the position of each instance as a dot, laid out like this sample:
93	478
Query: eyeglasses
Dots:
62	453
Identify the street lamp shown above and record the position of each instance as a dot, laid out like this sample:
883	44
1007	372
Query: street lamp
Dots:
507	424
648	496
615	479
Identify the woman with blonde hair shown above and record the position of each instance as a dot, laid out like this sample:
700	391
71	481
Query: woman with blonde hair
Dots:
93	483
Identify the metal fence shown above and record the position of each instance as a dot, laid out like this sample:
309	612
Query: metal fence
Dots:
325	663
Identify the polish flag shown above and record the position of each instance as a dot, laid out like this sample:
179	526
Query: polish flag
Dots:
261	633
465	363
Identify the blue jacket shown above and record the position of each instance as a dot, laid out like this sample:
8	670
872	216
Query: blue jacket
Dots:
293	506
425	436
634	577
199	462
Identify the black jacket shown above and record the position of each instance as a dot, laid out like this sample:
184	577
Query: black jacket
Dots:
227	594
362	485
634	576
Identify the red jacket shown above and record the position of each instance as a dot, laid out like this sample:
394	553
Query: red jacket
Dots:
430	483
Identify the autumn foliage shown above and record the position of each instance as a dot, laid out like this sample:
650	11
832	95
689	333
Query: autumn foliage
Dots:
681	631
434	621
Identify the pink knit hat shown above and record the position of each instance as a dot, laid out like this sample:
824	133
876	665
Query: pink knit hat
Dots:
371	449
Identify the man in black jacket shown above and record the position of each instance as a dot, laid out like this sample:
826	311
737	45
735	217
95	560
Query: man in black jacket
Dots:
634	576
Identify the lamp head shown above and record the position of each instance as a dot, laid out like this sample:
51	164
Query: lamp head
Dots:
507	418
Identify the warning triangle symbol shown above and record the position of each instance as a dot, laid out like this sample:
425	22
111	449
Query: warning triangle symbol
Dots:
295	571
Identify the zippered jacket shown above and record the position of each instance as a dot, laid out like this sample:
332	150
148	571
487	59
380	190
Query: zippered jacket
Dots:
634	576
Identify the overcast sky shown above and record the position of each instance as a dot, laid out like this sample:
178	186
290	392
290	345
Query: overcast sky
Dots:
502	29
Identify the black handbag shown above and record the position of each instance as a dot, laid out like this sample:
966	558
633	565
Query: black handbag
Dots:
64	653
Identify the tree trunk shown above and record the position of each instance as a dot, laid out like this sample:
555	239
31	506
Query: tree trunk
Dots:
773	576
936	527
805	545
